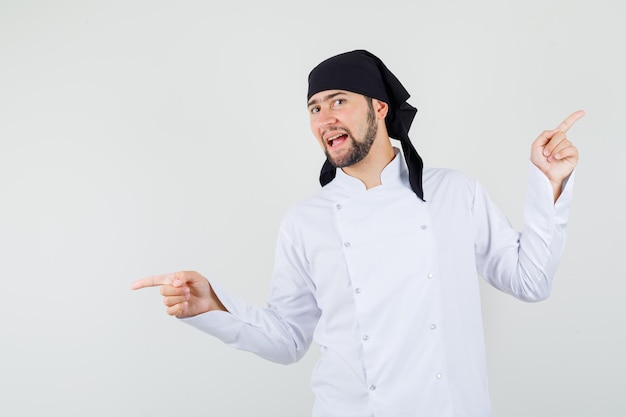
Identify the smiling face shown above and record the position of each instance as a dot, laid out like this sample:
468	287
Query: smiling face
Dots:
345	124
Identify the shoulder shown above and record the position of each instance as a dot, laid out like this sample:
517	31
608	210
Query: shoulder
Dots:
442	181
307	209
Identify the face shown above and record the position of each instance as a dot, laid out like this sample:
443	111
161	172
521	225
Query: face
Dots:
345	125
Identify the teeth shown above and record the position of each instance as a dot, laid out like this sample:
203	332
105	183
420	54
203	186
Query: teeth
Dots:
332	138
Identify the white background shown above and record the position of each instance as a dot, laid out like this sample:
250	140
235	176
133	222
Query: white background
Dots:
145	137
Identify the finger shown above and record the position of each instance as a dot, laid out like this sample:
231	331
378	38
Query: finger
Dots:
177	310
183	278
152	281
569	151
544	138
560	146
570	120
172	301
169	290
557	138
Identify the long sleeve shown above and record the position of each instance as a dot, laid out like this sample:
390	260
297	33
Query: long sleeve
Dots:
386	285
282	331
523	264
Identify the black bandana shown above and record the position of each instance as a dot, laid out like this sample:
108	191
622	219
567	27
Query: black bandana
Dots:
361	72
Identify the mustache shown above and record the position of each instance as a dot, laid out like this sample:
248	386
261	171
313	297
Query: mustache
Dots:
336	129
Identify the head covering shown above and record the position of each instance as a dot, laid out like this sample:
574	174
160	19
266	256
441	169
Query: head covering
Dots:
361	72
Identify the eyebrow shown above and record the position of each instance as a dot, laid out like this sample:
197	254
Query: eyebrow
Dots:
325	98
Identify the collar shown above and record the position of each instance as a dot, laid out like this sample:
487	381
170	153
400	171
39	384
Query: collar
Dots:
395	174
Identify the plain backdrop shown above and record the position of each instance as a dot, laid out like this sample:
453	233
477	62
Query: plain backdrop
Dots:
145	137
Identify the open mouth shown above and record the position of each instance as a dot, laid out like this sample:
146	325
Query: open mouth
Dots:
336	140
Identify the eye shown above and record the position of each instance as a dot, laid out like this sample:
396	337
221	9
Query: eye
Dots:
339	101
314	109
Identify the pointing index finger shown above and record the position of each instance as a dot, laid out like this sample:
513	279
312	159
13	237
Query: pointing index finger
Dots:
153	281
571	119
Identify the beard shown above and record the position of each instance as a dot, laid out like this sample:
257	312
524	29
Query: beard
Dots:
360	148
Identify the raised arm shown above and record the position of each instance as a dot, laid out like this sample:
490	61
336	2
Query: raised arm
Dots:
524	264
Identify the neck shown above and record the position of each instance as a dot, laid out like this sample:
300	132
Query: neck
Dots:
369	169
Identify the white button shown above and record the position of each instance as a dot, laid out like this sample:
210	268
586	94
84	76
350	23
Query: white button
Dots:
357	290
372	387
338	206
433	326
438	376
423	227
430	276
346	244
366	338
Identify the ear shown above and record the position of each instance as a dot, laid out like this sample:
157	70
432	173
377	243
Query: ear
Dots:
380	108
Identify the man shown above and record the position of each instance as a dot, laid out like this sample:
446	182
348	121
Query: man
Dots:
379	266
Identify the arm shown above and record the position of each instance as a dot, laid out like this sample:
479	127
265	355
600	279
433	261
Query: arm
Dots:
524	264
281	332
185	293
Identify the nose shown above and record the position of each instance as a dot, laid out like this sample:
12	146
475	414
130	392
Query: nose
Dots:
325	117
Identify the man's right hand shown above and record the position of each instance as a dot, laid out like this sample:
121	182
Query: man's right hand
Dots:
185	293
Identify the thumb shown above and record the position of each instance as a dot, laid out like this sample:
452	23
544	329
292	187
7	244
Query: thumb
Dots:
544	137
185	278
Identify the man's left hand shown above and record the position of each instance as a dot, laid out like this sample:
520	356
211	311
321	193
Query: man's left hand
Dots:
554	154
